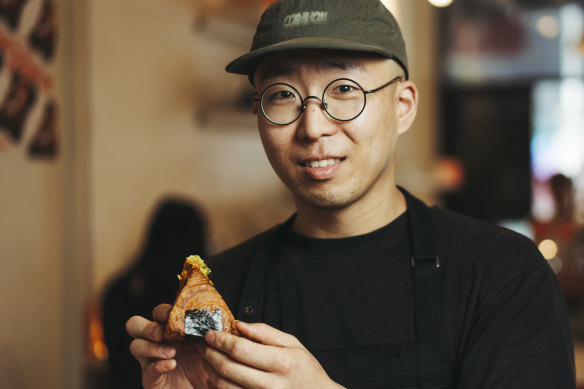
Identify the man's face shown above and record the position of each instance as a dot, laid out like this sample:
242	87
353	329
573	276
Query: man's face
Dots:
326	163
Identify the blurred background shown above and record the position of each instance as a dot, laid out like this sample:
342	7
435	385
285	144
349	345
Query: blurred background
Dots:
114	114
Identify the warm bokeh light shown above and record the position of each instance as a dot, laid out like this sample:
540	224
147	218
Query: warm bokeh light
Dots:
548	26
440	3
548	248
97	348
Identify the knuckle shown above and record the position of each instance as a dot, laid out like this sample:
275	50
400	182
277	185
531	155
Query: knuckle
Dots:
222	367
205	352
151	369
239	349
284	365
135	348
154	331
161	311
161	367
141	348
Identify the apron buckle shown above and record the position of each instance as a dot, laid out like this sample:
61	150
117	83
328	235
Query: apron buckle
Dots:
436	260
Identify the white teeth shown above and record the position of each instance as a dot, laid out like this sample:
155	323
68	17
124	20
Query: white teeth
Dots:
323	162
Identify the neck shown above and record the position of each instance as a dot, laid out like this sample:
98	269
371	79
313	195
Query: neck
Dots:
355	219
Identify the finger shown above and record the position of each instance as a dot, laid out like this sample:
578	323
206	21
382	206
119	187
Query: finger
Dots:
144	351
210	385
265	334
154	374
139	327
161	312
216	380
224	372
248	352
155	369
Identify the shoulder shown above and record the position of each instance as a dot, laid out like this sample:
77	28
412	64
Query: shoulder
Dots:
484	259
481	241
502	306
230	267
460	238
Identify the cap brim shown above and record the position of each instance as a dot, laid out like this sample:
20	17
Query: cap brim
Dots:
247	63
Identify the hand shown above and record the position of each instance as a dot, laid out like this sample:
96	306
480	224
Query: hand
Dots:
164	366
268	358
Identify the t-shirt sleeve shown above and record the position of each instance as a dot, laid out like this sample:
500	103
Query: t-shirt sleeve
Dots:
520	335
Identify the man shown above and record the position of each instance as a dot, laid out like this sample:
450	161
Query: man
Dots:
365	286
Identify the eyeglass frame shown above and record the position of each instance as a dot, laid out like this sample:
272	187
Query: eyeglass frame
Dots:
321	100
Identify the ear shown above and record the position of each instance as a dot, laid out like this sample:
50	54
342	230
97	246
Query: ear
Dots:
407	105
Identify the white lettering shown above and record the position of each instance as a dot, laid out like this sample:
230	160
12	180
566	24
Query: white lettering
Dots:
305	18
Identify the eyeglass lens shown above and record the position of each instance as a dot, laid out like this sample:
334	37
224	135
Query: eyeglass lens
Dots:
342	99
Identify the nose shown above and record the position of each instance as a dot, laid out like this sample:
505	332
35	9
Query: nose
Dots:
314	121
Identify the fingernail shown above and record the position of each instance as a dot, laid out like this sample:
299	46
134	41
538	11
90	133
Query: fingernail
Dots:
167	351
210	337
243	325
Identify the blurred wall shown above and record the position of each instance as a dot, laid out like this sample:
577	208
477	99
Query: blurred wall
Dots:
417	150
31	279
31	237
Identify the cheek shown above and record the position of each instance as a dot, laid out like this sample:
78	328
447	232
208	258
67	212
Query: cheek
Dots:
376	135
275	146
273	138
377	129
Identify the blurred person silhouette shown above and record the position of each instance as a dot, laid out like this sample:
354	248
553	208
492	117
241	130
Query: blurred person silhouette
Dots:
568	237
563	193
177	229
561	228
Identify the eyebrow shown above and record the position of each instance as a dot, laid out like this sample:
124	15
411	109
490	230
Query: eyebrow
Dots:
279	71
344	65
333	64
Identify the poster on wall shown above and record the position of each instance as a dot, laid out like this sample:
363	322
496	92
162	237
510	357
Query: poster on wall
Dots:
28	106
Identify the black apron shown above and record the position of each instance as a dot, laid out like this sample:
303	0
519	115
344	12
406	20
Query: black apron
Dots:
419	364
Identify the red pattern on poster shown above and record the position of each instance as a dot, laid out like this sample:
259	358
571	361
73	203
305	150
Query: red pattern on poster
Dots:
19	57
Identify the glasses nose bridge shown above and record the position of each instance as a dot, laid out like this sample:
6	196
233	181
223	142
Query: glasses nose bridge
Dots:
322	103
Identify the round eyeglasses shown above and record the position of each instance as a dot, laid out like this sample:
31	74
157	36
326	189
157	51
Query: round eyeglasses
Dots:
343	99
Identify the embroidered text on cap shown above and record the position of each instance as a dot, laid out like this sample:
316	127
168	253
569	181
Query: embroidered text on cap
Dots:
305	18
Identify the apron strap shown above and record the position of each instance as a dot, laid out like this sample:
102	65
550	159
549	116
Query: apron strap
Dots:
251	303
425	266
427	297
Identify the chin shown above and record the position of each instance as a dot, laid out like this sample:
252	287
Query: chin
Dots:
328	201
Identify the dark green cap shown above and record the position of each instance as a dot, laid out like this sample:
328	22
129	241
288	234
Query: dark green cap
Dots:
354	25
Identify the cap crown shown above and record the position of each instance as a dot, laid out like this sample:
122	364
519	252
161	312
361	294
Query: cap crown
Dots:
354	25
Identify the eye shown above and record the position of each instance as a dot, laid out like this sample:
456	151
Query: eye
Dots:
279	94
283	95
343	90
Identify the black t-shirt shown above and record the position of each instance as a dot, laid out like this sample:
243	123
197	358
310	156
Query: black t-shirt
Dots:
502	314
310	293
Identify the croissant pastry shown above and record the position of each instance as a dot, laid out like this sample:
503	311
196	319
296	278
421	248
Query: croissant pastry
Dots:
198	306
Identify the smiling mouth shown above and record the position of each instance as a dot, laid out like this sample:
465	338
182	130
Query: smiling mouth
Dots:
321	162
